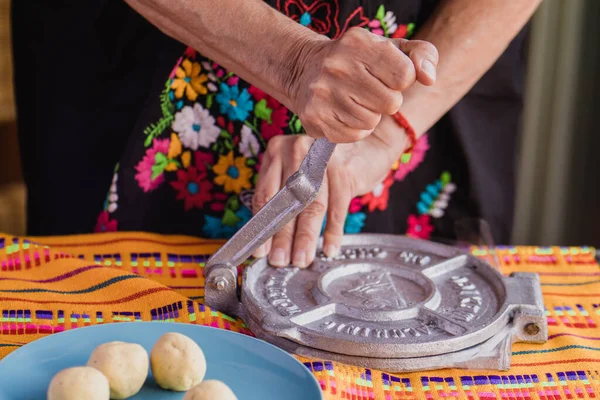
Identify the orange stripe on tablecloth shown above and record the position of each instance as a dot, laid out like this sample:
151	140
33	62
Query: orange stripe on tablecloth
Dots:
90	303
574	360
200	242
572	294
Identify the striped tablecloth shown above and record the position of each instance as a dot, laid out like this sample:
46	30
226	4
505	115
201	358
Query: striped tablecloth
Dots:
51	284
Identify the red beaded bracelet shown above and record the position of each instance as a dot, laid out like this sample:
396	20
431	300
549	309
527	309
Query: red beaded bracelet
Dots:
410	132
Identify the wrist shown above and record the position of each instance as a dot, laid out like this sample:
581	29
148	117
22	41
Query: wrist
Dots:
305	45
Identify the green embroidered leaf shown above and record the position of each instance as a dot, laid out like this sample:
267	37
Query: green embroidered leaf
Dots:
225	134
233	203
445	178
251	162
298	125
148	141
410	29
209	101
229	218
228	145
160	163
262	111
380	13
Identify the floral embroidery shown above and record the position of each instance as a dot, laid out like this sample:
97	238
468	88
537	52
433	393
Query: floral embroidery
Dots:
213	128
105	224
196	127
189	80
321	15
232	173
249	145
377	199
150	170
409	161
434	200
237	105
192	188
419	227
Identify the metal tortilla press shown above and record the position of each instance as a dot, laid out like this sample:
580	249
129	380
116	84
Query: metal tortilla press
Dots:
386	302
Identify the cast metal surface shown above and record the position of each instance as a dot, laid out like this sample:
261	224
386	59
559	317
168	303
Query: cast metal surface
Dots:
298	192
392	297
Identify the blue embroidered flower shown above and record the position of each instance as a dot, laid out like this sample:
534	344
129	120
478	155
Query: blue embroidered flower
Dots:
244	214
236	105
213	228
355	222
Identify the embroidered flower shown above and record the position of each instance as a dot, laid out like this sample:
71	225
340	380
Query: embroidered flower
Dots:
355	205
203	160
390	23
378	197
275	116
192	188
196	127
215	228
105	224
188	79
249	145
376	28
150	169
236	105
419	226
408	162
354	222
232	173
321	15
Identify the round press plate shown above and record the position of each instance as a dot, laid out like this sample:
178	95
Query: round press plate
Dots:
384	296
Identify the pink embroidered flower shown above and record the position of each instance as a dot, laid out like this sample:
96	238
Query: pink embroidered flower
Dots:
416	157
149	177
376	28
355	205
233	81
192	188
419	227
105	224
377	199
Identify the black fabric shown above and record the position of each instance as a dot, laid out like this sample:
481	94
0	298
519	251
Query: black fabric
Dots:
88	78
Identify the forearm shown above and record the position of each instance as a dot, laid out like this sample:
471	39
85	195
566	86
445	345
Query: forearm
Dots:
470	36
258	43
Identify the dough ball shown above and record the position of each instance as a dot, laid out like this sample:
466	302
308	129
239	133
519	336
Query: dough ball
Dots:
177	362
209	390
79	383
124	364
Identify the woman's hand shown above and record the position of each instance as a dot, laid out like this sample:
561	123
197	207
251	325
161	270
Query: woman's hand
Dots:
354	170
343	87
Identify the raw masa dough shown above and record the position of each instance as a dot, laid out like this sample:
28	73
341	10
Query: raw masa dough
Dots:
177	362
124	364
210	390
79	383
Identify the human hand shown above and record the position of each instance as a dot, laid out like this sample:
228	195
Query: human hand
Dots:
353	170
341	88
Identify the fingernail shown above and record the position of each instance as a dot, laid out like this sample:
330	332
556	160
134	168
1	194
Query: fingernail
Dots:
428	69
277	258
330	250
300	259
260	252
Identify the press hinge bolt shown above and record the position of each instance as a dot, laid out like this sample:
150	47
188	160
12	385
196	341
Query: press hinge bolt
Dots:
532	329
220	283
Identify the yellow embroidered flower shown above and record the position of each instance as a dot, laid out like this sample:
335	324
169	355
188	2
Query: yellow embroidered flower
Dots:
174	146
232	173
186	158
189	80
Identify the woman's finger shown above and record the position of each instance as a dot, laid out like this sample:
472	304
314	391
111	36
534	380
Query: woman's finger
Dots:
424	56
292	156
308	229
269	182
337	210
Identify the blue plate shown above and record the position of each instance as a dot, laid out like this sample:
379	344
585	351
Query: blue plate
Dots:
253	369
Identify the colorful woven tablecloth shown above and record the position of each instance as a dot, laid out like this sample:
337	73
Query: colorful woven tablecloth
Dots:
48	285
